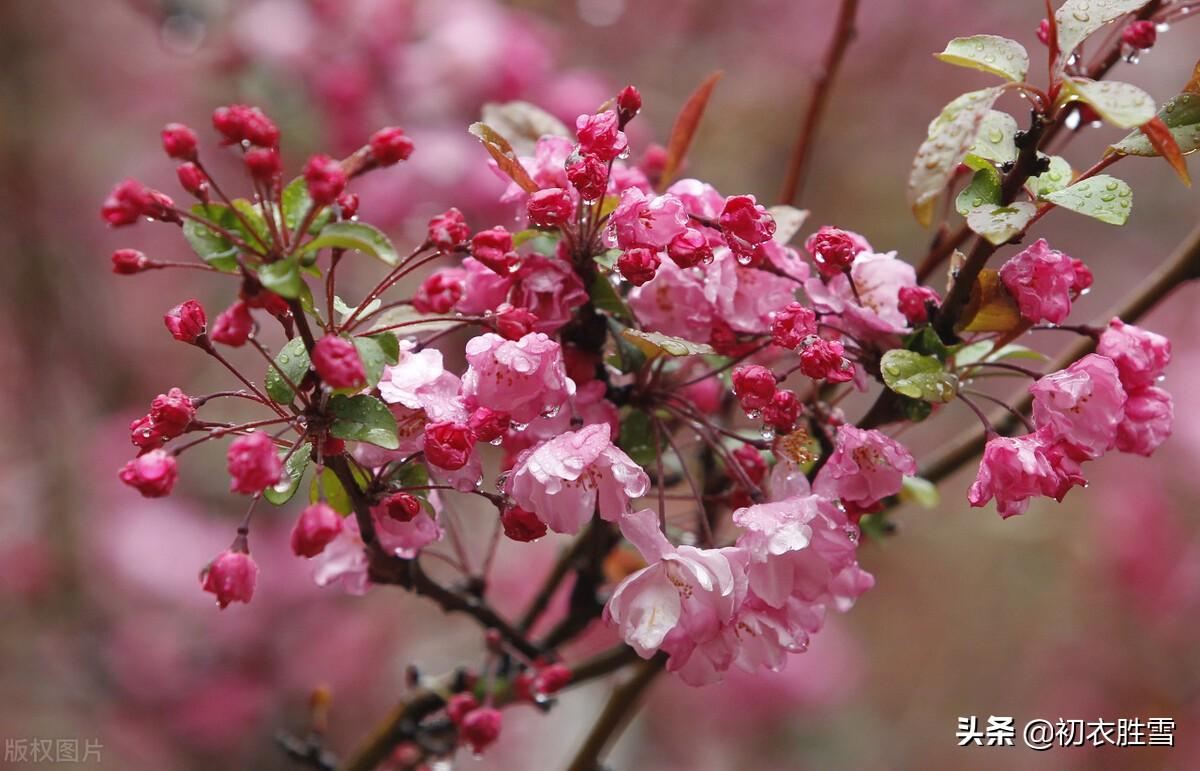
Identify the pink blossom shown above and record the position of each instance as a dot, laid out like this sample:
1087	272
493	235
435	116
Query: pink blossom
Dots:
1013	470
482	288
700	199
440	292
449	444
152	474
1081	405
640	220
186	322
833	249
231	577
448	230
317	526
1140	355
522	525
233	326
567	478
753	385
546	167
481	728
324	178
494	248
638	265
874	312
1040	278
405	539
791	324
865	467
588	174
172	413
1149	415
745	224
550	208
550	289
599	135
673	303
745	297
390	146
825	359
914	301
179	141
337	361
343	560
689	249
524	378
253	464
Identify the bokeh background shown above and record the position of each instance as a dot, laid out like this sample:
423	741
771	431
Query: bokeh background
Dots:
1085	610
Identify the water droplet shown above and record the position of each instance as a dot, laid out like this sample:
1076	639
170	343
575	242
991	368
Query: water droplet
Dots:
768	433
753	414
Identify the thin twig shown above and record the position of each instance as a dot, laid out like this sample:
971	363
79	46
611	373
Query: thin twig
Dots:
617	712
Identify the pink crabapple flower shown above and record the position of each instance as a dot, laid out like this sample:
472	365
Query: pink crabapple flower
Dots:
649	221
550	289
152	474
638	265
746	225
482	289
1081	405
753	385
1140	355
230	577
599	135
343	560
865	467
186	322
1149	415
1013	470
833	250
870	308
1041	279
253	464
317	526
745	297
525	378
673	302
406	539
441	291
481	728
233	325
337	361
567	478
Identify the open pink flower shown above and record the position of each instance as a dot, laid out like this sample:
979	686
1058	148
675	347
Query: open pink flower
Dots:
865	467
875	311
673	303
405	539
550	288
641	220
525	378
744	297
1041	279
1149	415
1140	355
1081	405
564	480
1013	470
483	289
343	560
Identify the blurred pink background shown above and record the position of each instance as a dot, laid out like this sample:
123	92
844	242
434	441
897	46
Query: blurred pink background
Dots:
1085	610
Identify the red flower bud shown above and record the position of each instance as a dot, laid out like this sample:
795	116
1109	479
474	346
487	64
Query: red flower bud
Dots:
337	361
233	326
440	292
459	705
587	174
390	146
253	464
317	526
833	250
600	135
551	679
186	321
782	412
144	434
823	358
654	163
791	325
522	525
1043	32
131	199
550	208
193	180
448	445
638	265
629	103
348	204
513	323
689	248
126	262
448	230
179	141
480	728
494	248
753	385
172	413
402	507
746	225
240	123
324	178
488	424
912	302
263	163
231	577
152	474
1140	34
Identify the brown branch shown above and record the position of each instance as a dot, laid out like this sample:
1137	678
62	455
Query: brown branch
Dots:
617	712
843	33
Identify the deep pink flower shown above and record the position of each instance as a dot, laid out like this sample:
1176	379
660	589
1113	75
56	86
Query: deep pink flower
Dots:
172	413
587	174
792	324
152	474
448	230
513	323
494	248
689	249
550	208
564	480
483	289
870	308
1043	32
525	378
317	526
1140	355
1081	405
390	146
825	359
638	265
865	467
1140	34
459	705
230	577
405	539
550	288
488	424
440	292
673	303
126	262
746	225
401	506
745	297
449	445
783	410
1067	462
753	385
641	220
186	322
1041	279
337	361
347	204
481	728
599	135
131	199
179	142
833	250
324	178
234	325
913	302
522	525
1149	415
751	461
253	464
1013	470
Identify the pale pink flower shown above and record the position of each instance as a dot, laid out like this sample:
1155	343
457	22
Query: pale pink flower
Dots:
1140	355
587	407
745	298
1013	470
567	478
404	539
641	220
1149	415
673	303
419	390
875	312
865	467
483	288
525	378
343	560
550	288
1081	405
547	167
1041	280
699	199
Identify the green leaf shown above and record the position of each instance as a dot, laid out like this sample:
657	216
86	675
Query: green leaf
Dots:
1076	19
294	470
334	493
788	221
637	438
344	311
604	297
1181	114
358	236
282	277
608	259
296	203
1102	197
374	358
984	190
654	344
926	342
629	357
390	344
996	141
1052	179
1122	104
973	353
920	491
914	410
990	53
212	247
412	319
951	135
919	377
257	233
521	236
363	419
998	224
293	360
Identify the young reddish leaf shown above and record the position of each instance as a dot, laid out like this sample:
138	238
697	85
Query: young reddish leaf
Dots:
1164	142
506	157
685	126
1193	85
